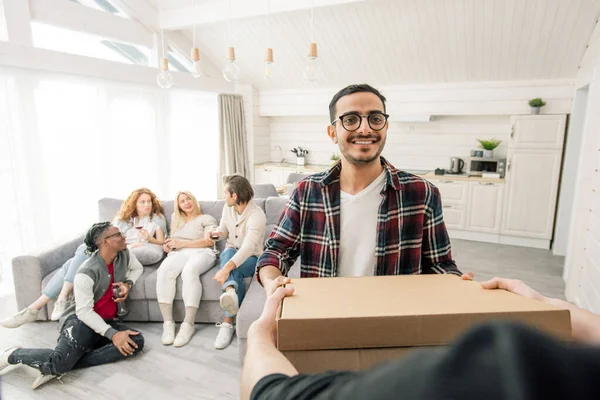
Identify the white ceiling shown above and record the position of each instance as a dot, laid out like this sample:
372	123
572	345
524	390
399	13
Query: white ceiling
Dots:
394	42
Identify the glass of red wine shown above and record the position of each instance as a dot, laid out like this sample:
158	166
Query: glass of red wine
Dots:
139	225
214	235
122	310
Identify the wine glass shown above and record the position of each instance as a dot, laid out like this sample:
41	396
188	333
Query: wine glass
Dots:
214	235
138	223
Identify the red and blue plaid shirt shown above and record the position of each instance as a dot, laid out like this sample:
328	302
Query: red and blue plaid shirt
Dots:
411	235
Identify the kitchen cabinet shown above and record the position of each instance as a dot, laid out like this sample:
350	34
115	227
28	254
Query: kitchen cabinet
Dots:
454	215
531	192
267	175
452	192
485	207
537	131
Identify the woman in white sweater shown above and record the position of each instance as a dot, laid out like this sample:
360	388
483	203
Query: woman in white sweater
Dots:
243	224
189	255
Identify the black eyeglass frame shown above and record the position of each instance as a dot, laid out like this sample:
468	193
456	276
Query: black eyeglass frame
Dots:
340	118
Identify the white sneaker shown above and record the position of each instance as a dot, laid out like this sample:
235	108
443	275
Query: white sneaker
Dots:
4	357
168	335
225	335
22	317
40	380
59	309
186	331
229	302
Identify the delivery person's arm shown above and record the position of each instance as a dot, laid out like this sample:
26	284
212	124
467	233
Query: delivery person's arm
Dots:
262	357
585	326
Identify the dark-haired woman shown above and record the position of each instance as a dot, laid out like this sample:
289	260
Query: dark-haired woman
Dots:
89	335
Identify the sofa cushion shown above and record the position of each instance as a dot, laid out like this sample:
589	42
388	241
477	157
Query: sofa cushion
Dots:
147	256
210	288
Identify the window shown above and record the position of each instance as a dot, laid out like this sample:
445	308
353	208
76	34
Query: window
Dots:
83	44
67	142
102	5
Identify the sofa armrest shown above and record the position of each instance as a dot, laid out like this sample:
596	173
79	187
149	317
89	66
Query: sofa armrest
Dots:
29	270
251	308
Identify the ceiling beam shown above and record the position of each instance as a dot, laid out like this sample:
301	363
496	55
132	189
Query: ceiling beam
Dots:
141	11
15	22
17	56
74	16
218	10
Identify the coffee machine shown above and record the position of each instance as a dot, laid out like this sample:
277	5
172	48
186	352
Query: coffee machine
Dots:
456	165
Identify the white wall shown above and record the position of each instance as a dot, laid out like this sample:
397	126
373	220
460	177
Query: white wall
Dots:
572	155
257	127
473	98
582	264
411	145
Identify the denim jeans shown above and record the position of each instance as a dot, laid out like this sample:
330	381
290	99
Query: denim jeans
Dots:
236	277
78	347
66	273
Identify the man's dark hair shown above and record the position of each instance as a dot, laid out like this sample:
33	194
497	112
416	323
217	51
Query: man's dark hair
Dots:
350	90
92	236
241	186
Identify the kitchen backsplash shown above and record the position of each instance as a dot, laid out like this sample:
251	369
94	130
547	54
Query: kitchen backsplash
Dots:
423	145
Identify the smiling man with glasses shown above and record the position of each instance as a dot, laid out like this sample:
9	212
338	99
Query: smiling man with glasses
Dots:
362	217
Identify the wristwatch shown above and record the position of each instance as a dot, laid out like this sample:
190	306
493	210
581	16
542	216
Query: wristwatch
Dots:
129	282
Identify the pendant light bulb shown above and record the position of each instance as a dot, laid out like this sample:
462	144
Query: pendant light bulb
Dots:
231	71
312	67
269	64
196	70
164	77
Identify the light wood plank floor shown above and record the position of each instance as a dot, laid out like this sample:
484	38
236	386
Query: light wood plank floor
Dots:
199	371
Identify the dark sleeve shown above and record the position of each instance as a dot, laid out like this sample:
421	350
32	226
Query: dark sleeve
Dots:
493	361
299	387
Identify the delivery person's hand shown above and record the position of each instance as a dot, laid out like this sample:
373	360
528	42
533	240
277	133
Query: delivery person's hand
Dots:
512	285
266	326
272	285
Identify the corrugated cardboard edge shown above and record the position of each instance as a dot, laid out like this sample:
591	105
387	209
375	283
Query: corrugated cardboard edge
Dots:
376	332
314	361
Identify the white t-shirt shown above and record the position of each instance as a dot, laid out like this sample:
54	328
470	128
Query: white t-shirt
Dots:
358	230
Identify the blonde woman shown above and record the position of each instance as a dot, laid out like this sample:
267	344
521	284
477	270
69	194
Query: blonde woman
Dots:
143	224
189	255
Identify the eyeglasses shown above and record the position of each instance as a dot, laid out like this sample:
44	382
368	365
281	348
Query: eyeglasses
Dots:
115	234
352	121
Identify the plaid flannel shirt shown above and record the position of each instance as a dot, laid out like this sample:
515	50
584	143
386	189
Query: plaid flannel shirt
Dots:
411	234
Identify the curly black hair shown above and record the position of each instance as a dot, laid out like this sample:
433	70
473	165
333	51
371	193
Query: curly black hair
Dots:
92	235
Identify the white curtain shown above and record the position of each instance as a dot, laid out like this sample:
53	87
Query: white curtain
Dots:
66	142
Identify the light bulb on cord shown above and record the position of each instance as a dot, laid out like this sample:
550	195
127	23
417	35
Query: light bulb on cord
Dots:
164	77
231	71
313	64
269	64
196	70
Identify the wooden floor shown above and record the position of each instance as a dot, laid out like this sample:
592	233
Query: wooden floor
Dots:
198	371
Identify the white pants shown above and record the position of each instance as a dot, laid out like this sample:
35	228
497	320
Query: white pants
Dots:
190	264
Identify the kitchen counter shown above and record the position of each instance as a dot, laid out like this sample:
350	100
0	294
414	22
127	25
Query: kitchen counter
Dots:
308	168
431	176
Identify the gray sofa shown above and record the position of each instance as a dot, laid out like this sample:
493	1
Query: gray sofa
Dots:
32	272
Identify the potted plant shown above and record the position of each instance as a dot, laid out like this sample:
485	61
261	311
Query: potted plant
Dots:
300	155
335	158
488	146
536	104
